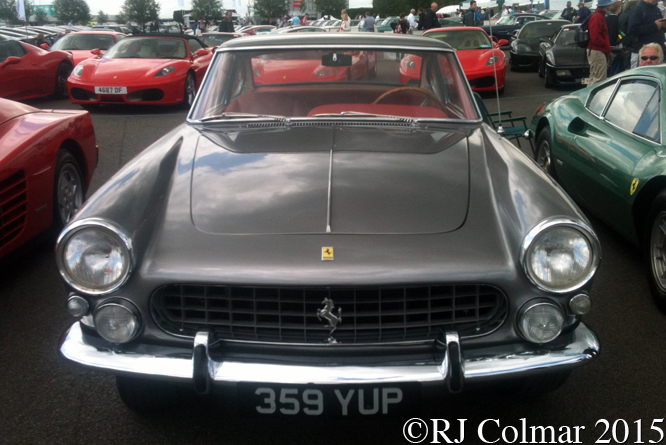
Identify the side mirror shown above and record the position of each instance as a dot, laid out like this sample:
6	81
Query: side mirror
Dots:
545	39
96	52
45	46
502	42
10	61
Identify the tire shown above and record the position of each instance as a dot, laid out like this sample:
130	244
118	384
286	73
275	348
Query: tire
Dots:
548	78
501	91
68	189
654	245
543	152
189	92
63	72
145	395
542	67
512	65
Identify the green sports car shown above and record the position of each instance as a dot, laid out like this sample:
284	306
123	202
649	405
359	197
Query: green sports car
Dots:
604	145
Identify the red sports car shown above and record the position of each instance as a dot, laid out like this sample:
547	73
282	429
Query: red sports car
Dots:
47	158
149	69
283	67
81	44
28	71
256	29
479	56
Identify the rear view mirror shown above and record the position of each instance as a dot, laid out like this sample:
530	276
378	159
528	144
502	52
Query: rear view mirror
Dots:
335	59
502	43
45	46
96	52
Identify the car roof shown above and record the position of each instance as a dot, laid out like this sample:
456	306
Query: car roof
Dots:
298	39
454	28
167	36
541	22
109	32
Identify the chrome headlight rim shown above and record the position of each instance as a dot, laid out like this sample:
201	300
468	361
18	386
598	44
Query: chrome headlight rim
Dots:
123	303
549	223
94	223
531	305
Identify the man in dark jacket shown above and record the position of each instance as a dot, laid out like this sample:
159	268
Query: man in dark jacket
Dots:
598	50
226	25
431	18
422	16
583	12
646	25
470	15
569	12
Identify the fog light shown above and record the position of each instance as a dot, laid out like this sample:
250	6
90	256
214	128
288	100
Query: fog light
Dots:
540	322
116	323
563	73
580	304
77	306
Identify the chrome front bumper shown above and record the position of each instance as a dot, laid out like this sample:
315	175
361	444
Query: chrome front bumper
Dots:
454	369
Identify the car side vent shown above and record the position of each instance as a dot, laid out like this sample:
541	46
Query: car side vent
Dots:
13	206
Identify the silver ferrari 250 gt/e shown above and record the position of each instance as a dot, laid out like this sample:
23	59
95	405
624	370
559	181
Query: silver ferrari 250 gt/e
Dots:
334	230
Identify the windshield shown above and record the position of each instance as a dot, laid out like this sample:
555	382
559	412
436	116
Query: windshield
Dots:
334	82
463	39
84	42
148	48
536	30
217	39
507	20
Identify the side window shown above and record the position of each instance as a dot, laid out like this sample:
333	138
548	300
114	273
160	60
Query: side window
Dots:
648	125
120	37
630	104
194	46
16	49
599	98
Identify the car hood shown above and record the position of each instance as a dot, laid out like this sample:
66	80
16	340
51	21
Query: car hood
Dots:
120	71
381	181
569	56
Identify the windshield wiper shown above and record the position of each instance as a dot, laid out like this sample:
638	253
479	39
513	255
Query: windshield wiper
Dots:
410	120
236	115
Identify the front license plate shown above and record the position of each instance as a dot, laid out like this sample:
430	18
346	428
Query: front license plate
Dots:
585	80
110	90
323	400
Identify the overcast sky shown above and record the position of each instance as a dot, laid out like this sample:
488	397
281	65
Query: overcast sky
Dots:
168	6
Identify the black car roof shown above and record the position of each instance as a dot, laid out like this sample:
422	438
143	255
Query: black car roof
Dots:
167	36
300	39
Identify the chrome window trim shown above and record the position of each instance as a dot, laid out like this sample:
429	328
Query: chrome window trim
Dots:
82	224
610	98
564	222
221	49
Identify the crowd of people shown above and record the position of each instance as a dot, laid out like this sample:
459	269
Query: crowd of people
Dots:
621	35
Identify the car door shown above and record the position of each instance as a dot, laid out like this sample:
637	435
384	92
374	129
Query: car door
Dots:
15	76
608	147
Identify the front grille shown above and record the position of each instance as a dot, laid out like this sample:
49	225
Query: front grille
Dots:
482	82
13	207
81	94
149	95
368	314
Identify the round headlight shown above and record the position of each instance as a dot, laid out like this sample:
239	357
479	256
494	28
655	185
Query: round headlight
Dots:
560	256
94	256
116	323
540	322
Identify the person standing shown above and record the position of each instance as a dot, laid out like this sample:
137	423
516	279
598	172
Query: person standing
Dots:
305	21
470	15
651	54
569	13
422	16
613	22
226	25
598	50
345	24
402	27
583	12
431	18
369	22
412	21
646	25
296	20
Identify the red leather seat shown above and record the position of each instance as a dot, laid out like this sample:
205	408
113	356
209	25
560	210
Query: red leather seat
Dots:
269	103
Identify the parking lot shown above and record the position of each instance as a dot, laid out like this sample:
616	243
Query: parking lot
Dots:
46	400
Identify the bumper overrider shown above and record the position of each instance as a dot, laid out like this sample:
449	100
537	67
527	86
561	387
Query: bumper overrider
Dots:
457	368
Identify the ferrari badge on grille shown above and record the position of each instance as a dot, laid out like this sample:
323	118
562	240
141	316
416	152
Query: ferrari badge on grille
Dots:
327	254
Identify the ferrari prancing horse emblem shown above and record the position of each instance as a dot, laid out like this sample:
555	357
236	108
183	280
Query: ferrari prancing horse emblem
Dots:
634	185
327	254
333	320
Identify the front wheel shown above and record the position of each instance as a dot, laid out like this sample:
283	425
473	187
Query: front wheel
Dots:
544	152
68	193
655	249
542	67
548	78
190	91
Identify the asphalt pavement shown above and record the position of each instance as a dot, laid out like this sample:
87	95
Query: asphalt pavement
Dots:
45	400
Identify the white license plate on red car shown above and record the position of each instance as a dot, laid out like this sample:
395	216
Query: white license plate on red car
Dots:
110	90
324	400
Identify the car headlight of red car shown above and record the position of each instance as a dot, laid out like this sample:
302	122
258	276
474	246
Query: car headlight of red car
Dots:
166	70
78	71
493	60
